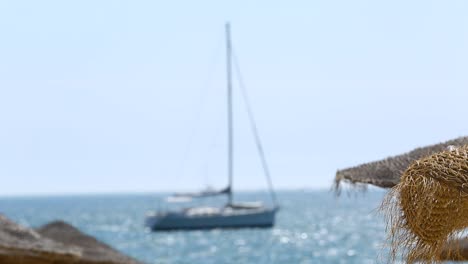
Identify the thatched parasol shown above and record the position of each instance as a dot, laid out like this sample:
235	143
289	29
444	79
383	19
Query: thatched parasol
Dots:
428	209
386	173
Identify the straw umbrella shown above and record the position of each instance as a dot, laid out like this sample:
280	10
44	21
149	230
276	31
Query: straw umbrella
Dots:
387	173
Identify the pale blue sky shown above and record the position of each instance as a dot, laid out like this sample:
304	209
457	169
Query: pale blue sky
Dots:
123	96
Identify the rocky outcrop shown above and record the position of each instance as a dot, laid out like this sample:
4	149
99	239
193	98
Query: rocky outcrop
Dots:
93	251
54	243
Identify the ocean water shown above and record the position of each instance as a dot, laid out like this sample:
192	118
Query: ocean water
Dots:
311	227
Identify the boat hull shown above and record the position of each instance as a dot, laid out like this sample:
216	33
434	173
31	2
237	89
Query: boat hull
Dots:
242	219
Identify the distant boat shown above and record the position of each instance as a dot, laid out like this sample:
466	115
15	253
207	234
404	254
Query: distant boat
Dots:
231	215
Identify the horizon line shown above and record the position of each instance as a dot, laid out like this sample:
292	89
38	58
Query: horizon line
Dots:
146	192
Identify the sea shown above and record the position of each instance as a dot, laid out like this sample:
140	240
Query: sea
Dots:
312	226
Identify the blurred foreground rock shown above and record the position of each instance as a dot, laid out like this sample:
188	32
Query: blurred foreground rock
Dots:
56	243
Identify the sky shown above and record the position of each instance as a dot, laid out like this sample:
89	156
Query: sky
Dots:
129	96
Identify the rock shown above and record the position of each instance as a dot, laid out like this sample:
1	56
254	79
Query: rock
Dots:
93	250
19	244
55	243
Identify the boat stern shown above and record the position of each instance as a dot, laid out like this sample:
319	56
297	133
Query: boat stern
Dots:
152	219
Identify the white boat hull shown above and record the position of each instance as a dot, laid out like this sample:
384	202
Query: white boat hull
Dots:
238	218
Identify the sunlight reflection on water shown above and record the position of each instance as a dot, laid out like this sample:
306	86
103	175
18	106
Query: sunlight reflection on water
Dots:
311	227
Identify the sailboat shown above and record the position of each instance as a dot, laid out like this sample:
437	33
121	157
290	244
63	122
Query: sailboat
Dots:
232	214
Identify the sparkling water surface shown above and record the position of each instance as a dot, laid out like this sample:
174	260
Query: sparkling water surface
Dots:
311	227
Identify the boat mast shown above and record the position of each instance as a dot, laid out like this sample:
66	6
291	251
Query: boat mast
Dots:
229	109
